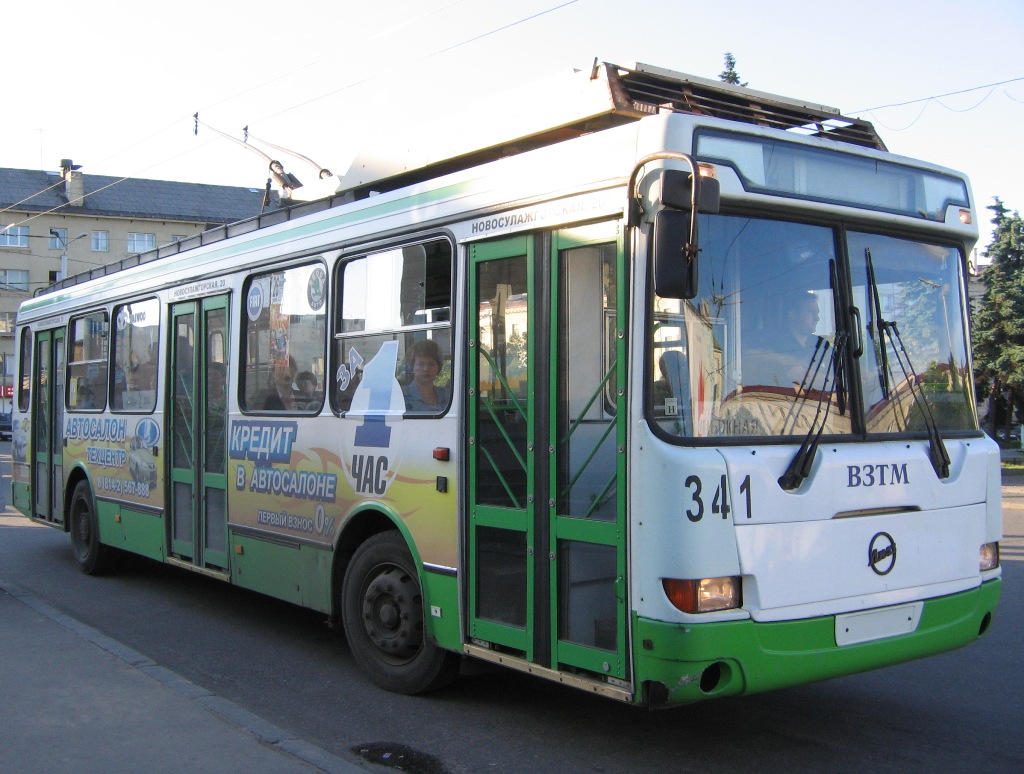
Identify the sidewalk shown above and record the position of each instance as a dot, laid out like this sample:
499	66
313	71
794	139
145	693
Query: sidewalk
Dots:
72	699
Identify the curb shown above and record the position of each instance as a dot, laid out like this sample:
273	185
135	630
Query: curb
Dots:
265	732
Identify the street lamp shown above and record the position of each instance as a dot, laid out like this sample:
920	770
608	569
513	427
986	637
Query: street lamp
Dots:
55	233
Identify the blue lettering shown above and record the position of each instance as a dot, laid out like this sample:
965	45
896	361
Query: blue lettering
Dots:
262	442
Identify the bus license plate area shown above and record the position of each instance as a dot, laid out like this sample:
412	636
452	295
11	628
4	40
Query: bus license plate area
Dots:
869	625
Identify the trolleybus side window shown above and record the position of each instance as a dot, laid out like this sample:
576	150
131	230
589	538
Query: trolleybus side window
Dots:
135	355
403	295
25	370
285	340
87	362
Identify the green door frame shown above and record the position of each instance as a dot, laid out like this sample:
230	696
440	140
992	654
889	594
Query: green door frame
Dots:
605	396
197	428
48	427
502	508
521	535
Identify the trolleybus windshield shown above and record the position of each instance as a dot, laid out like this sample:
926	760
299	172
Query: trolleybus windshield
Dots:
787	327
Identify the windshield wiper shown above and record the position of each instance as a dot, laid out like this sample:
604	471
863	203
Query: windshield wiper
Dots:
800	466
876	326
802	390
840	367
889	331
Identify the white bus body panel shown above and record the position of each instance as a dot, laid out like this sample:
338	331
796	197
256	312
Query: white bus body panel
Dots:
807	553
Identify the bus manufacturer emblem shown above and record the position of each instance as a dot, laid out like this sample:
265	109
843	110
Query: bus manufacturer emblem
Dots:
882	553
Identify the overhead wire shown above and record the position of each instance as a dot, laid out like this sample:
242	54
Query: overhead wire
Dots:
936	98
423	58
378	74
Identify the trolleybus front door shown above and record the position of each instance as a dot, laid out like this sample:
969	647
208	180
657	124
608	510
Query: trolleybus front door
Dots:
48	428
546	430
198	429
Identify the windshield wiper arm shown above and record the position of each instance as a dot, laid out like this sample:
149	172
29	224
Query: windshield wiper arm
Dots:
937	453
821	347
800	466
876	325
840	369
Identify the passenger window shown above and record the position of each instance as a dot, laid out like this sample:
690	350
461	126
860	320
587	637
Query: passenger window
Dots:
285	340
136	339
25	371
87	363
397	304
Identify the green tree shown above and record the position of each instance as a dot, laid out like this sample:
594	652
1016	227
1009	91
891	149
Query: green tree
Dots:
729	74
998	332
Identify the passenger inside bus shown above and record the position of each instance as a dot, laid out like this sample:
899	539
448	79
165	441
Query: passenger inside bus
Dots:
423	362
279	396
308	394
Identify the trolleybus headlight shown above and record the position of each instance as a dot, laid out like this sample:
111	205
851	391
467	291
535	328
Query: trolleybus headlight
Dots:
989	557
704	595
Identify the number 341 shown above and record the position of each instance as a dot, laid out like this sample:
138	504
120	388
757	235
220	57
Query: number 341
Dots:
719	503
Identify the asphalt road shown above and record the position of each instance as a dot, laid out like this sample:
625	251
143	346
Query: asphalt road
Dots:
961	711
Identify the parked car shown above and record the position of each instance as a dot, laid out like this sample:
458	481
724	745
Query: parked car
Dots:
6	428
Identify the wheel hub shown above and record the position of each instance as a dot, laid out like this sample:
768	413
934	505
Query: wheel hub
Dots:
392	613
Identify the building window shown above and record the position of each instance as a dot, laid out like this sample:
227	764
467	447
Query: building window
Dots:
140	243
13	279
14	236
7	320
178	238
58	238
100	241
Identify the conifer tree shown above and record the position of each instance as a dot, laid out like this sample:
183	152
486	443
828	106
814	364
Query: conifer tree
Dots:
998	324
729	74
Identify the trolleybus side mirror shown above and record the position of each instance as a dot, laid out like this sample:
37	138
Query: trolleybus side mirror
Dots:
675	243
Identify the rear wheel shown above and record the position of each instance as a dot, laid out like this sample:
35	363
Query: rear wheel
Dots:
93	557
382	611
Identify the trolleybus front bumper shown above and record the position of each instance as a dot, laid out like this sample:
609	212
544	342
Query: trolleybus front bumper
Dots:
684	663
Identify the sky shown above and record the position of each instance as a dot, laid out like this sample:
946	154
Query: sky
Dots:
116	91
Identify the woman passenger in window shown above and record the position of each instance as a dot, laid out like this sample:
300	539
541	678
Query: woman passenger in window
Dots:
424	361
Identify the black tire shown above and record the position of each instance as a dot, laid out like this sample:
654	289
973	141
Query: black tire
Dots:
382	612
92	557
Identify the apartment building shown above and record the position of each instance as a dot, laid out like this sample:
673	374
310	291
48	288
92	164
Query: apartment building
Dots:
56	224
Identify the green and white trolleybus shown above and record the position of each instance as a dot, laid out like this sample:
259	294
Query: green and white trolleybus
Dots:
661	390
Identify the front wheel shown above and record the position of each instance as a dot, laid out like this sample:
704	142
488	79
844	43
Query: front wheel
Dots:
92	556
382	612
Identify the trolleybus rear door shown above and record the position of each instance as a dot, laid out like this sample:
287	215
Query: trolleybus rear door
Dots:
546	430
48	428
198	429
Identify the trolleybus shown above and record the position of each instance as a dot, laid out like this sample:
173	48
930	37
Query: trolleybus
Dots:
663	392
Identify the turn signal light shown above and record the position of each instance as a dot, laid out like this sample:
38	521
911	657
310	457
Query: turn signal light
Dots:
989	557
703	596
